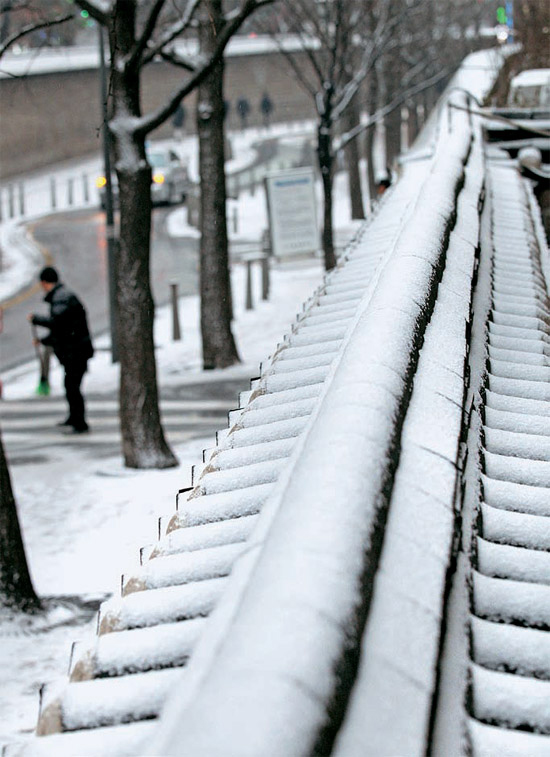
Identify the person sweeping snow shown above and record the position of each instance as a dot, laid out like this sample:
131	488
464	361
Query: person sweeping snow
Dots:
70	340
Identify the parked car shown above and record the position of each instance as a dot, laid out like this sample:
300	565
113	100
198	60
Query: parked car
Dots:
170	180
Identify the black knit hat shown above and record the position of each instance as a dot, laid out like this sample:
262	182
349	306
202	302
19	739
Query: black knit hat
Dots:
49	275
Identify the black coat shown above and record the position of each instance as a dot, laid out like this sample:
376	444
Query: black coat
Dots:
69	335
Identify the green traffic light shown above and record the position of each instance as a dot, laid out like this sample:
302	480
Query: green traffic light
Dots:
84	14
501	15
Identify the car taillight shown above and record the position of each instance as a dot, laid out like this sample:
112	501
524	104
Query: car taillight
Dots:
158	178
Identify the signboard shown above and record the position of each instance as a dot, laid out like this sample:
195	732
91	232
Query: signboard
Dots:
292	212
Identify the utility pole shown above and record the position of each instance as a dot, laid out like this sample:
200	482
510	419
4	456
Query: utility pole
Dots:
109	214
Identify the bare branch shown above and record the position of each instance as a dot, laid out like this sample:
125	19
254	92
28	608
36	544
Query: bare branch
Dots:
32	28
176	59
172	32
145	36
147	123
381	113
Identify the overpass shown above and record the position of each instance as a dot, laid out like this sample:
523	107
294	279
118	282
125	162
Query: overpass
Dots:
361	566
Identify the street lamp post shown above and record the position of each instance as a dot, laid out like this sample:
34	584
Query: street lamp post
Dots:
109	214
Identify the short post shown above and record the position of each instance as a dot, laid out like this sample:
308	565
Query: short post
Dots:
449	118
235	219
53	193
248	303
1	208
252	184
21	198
85	189
70	191
176	331
404	129
265	276
11	202
420	114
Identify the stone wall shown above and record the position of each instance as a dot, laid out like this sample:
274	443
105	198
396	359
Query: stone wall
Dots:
48	118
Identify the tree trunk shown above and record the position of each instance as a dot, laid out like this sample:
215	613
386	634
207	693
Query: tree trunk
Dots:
16	589
351	119
143	442
218	345
325	157
369	136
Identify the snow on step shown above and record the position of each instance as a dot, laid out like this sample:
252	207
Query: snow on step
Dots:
113	741
294	353
237	457
509	369
509	495
513	404
517	469
522	651
237	503
512	444
182	568
109	701
510	700
170	604
517	422
511	601
519	529
201	537
517	332
246	436
216	482
521	321
534	390
488	741
521	358
517	563
138	650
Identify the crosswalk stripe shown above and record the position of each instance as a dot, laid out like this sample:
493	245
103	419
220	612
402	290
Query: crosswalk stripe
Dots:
58	404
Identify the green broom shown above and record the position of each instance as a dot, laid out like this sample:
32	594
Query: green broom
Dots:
43	388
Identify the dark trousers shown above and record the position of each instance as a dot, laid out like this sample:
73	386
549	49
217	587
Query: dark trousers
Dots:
74	373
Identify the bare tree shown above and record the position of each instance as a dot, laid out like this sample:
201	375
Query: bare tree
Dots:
341	47
135	42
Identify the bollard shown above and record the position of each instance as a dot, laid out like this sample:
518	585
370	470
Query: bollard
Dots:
21	189
235	219
248	303
11	202
176	331
420	115
1	207
53	194
404	129
85	190
70	191
265	277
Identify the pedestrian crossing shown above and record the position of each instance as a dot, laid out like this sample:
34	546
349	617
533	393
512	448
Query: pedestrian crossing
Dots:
29	424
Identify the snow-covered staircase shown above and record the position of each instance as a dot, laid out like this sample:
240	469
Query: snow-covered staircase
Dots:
510	622
296	602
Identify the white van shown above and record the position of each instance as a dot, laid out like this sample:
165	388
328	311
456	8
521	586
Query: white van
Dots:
530	89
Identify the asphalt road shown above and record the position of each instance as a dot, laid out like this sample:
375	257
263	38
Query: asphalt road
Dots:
74	243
